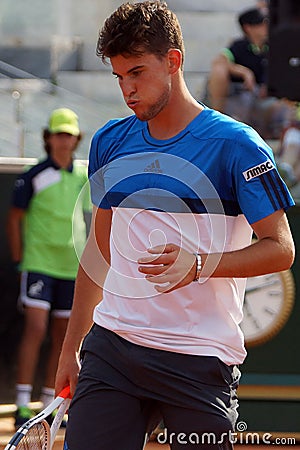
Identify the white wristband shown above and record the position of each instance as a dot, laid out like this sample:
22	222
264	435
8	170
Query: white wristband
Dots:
198	266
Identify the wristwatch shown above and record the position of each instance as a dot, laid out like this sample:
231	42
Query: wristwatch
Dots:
268	303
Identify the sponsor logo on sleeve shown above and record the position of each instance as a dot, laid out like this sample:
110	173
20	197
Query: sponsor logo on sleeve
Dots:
19	183
256	171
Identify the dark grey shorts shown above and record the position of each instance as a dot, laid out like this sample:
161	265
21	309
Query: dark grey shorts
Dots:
125	390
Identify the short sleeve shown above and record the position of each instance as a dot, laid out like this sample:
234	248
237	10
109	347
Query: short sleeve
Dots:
22	191
95	173
259	188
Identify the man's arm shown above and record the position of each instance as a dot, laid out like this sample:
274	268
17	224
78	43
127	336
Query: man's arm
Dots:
218	83
14	233
92	271
243	72
219	80
274	251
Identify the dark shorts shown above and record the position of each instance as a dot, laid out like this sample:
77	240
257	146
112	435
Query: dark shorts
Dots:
45	292
125	390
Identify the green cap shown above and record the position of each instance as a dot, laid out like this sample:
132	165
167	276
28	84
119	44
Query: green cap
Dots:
64	120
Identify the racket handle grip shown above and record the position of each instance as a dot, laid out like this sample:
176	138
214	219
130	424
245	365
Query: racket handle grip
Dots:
65	393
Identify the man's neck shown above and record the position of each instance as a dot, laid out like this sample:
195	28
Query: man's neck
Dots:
62	159
181	111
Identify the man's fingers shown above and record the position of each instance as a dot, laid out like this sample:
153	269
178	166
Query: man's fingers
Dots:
159	259
169	268
168	248
153	270
165	258
161	279
166	288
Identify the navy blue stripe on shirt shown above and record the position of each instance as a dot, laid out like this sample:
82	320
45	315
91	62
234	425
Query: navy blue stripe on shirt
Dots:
172	204
273	186
264	180
282	191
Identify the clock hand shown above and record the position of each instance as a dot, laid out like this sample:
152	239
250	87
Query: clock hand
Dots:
247	310
261	286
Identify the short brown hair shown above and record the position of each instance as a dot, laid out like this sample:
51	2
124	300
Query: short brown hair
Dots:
137	28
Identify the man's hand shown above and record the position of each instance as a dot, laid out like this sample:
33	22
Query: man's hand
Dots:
67	373
170	267
249	79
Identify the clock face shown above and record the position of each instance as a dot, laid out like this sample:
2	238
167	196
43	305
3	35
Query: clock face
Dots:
267	306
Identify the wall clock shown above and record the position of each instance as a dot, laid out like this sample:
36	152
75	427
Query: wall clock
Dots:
268	303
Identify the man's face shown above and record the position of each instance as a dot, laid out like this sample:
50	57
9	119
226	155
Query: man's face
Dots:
62	142
145	82
257	33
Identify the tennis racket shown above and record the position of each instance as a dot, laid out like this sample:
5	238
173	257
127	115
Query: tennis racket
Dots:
36	433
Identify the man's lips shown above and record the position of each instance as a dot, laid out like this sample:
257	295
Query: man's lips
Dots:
132	103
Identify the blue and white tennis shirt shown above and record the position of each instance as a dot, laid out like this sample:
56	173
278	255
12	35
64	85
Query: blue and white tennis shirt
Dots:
200	189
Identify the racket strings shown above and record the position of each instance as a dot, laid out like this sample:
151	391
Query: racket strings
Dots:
36	438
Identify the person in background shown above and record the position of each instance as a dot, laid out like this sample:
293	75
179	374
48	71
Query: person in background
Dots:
41	229
263	6
237	83
289	156
178	190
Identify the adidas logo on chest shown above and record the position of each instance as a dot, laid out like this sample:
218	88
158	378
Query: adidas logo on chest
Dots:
154	167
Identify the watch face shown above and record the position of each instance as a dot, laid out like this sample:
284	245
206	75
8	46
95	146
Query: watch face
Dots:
267	306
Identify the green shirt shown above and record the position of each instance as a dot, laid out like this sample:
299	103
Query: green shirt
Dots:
54	229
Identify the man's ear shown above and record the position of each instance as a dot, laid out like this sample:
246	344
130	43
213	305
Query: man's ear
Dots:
174	59
246	28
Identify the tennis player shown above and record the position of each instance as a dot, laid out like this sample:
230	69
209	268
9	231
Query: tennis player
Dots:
178	190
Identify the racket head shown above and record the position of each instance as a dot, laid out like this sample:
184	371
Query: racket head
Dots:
34	437
18	441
